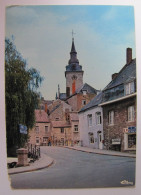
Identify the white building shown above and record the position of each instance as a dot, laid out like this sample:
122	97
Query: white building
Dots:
91	124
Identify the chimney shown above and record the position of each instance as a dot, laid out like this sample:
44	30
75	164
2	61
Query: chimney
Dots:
128	55
114	76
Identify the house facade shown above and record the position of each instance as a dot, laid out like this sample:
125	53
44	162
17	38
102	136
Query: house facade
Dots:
91	124
119	108
40	134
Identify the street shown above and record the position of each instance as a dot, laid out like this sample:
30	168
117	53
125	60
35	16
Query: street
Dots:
76	169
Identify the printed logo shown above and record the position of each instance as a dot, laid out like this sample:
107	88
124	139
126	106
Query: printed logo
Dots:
126	182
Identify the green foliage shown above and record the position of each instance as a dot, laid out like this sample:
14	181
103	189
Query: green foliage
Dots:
21	85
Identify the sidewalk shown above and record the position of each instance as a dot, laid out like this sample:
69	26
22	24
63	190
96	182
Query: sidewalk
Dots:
43	162
102	152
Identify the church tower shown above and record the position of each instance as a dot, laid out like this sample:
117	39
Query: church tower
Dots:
73	73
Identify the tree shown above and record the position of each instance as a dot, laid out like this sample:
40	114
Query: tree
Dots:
21	86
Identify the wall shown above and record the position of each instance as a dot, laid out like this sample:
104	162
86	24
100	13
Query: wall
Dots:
78	82
33	134
120	121
84	129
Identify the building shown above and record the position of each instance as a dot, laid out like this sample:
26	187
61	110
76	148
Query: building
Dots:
62	113
73	73
77	94
119	108
91	123
81	97
41	132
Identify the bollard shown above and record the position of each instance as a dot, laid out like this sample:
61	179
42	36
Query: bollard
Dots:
22	157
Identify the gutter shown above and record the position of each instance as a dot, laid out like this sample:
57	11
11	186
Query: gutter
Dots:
119	99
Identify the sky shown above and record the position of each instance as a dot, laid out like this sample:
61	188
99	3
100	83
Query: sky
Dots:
42	34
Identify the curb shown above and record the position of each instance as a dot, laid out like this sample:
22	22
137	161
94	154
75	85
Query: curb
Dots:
35	169
101	153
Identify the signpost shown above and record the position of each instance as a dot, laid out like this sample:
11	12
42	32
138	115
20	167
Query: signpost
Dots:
23	129
130	130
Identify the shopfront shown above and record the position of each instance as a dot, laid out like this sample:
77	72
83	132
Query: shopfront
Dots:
130	138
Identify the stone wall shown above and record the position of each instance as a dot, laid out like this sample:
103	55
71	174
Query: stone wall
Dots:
120	121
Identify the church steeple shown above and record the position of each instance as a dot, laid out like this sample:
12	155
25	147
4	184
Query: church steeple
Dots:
74	72
73	47
73	54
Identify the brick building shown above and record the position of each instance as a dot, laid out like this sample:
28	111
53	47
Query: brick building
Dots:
41	132
119	108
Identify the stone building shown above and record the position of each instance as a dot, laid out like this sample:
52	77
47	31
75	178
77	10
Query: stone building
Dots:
41	132
91	123
119	108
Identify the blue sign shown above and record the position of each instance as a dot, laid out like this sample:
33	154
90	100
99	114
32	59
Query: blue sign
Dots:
23	129
131	129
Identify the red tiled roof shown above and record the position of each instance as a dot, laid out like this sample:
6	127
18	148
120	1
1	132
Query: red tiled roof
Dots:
74	117
60	124
41	116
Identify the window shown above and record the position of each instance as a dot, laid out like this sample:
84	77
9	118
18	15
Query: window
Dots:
83	102
46	129
111	117
67	117
84	92
57	119
91	138
131	114
75	128
37	129
90	120
129	88
45	139
37	140
132	141
98	118
62	130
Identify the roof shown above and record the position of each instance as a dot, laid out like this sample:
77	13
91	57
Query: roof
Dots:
41	116
126	74
94	102
74	116
58	124
54	108
88	88
84	87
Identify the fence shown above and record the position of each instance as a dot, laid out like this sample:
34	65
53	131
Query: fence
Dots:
34	152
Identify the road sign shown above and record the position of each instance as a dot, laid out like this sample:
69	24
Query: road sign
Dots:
23	129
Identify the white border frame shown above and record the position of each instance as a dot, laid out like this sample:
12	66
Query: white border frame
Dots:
4	183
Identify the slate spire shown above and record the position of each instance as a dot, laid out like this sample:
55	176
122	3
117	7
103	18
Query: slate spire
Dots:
73	47
73	54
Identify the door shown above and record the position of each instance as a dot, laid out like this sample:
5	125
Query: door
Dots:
100	144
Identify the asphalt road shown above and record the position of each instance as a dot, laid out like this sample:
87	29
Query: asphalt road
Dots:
76	169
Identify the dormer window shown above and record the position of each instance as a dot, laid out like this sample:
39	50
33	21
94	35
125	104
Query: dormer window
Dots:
84	92
129	88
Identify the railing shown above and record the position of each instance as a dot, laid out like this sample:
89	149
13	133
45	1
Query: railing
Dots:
33	152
